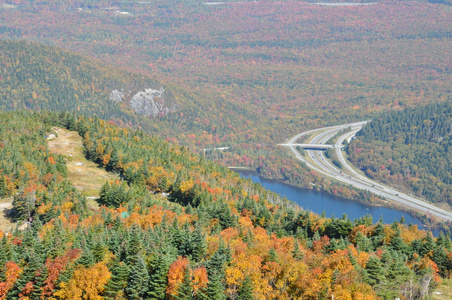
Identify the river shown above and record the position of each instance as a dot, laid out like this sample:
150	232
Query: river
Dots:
319	202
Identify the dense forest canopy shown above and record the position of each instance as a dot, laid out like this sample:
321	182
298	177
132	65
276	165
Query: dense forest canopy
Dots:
218	237
246	75
242	75
249	75
411	148
283	65
41	78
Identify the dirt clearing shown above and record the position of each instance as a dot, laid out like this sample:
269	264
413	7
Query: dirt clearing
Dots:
86	176
5	223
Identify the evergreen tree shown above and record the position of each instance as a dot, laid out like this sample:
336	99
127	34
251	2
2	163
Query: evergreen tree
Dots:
99	251
137	287
134	246
215	287
158	269
272	255
3	187
87	259
118	280
185	289
28	275
246	290
199	244
5	250
225	217
428	244
440	259
375	271
41	276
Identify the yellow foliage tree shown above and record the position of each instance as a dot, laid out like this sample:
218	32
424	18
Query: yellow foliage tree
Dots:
86	283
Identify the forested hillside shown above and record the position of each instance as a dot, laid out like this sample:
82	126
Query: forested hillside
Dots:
216	236
410	148
46	78
257	72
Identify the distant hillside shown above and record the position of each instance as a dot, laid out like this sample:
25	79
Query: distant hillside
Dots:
411	148
45	78
256	72
177	224
39	77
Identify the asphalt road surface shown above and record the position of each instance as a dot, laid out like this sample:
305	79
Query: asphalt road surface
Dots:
348	175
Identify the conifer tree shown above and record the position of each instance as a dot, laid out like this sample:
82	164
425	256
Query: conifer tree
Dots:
3	187
41	276
246	290
158	269
137	286
118	280
87	259
134	242
428	244
5	250
28	275
375	271
185	289
215	287
99	251
199	244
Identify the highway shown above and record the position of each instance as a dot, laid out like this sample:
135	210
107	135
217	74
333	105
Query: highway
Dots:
347	174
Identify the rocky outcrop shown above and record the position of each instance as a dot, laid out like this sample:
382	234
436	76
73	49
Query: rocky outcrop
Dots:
116	96
149	102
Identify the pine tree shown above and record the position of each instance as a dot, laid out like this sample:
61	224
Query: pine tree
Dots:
440	258
137	287
185	289
272	255
27	275
215	287
427	245
66	274
99	251
118	280
225	217
41	276
158	277
5	250
3	187
246	290
199	244
134	243
87	259
375	271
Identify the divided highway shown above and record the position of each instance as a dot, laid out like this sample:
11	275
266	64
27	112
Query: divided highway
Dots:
348	175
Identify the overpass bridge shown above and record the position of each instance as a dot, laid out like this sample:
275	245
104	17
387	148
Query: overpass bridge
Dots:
311	146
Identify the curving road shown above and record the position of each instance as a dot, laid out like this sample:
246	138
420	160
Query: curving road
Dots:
348	175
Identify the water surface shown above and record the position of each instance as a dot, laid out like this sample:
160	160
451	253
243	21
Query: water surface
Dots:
319	202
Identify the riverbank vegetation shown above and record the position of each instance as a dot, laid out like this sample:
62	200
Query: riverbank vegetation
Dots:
217	236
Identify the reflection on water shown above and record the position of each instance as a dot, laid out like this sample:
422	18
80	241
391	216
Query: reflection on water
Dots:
320	202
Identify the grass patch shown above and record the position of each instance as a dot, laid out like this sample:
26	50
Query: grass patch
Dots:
85	175
444	291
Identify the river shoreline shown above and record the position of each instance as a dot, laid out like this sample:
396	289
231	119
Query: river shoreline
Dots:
428	223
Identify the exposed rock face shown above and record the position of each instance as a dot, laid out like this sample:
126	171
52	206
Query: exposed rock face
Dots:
150	102
116	96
